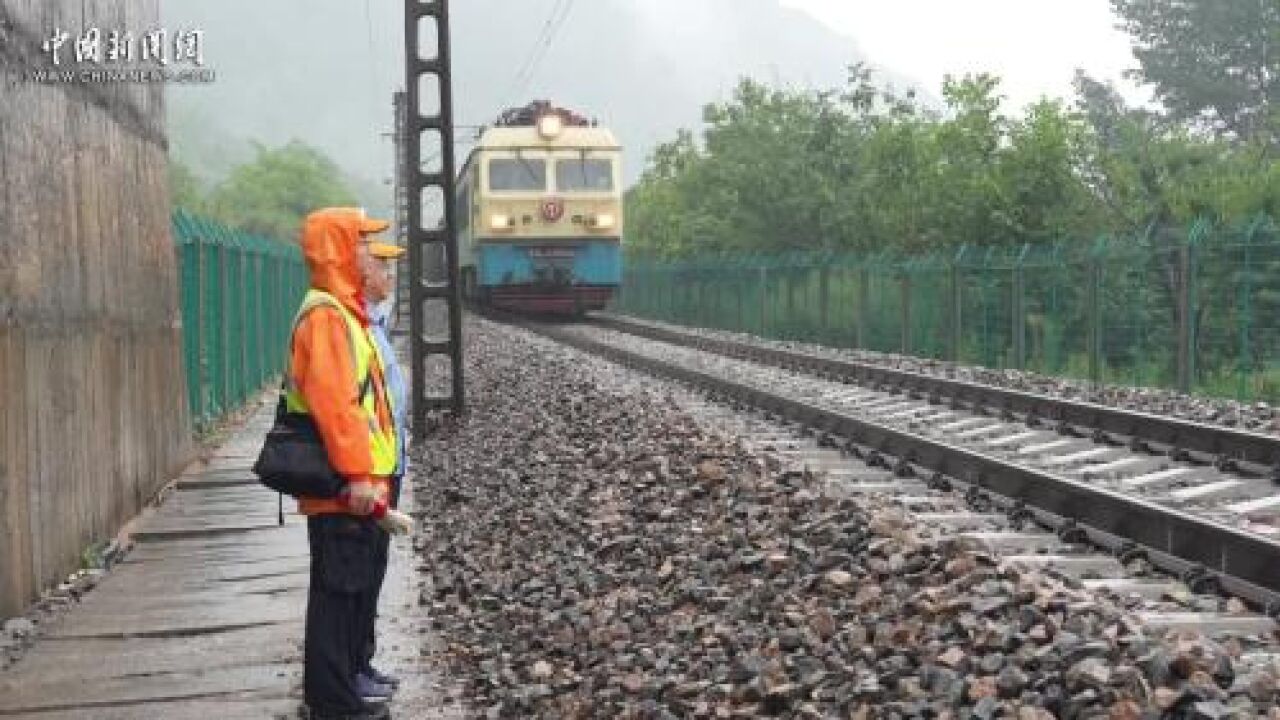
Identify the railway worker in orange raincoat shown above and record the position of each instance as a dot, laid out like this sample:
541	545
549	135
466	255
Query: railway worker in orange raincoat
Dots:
336	375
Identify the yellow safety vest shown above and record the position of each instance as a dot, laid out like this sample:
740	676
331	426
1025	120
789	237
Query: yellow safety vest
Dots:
382	440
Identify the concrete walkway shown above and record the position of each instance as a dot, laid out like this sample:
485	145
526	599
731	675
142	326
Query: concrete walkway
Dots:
203	619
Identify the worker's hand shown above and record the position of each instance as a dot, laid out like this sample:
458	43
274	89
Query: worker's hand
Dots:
363	495
396	522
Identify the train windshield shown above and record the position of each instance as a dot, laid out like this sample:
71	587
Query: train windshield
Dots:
584	175
518	174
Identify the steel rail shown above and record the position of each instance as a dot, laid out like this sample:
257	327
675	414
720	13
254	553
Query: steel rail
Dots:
1248	452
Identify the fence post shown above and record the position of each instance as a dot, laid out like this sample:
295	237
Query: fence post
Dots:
956	305
679	295
641	299
669	295
697	298
824	300
716	280
252	306
705	302
242	267
201	328
246	315
1245	368
695	312
864	300
789	274
764	299
221	355
259	321
282	315
651	297
210	336
235	318
1186	305
708	296
1095	311
739	295
708	303
1020	311
687	286
904	280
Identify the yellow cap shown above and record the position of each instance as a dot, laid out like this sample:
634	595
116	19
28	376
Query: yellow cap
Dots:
383	251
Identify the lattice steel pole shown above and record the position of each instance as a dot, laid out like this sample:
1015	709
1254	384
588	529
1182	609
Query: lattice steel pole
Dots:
418	68
400	107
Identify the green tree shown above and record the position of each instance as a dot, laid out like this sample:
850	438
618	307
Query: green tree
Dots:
1213	63
272	194
1149	171
861	169
1042	197
185	190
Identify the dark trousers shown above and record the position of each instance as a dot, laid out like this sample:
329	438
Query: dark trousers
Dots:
343	570
380	557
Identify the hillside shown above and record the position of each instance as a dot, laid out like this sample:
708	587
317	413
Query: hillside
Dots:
323	71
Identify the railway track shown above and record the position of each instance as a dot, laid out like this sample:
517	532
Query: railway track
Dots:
1101	506
1250	454
1202	497
748	565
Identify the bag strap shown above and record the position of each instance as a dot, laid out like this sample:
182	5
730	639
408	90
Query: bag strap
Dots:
282	405
365	386
282	409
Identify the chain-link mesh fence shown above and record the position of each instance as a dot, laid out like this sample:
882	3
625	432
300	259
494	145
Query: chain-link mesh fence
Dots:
1194	309
239	296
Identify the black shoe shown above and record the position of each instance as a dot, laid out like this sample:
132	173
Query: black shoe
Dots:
381	677
370	711
371	690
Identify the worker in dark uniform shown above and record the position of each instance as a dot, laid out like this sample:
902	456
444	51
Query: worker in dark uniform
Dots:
378	293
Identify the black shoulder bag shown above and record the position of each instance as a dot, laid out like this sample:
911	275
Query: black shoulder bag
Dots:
293	460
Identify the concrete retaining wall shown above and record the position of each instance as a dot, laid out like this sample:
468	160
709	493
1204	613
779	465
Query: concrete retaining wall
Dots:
93	416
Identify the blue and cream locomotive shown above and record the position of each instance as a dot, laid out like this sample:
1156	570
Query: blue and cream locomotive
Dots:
539	205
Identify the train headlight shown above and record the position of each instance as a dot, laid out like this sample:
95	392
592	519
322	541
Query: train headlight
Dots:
603	221
549	127
502	222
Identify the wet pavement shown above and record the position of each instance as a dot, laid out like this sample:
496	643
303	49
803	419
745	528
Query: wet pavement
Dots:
204	617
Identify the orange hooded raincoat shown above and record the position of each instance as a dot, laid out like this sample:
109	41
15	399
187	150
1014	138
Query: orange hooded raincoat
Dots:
320	359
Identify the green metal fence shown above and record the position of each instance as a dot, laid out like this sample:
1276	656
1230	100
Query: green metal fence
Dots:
239	296
1195	309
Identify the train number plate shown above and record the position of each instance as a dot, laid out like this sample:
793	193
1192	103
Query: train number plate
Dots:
551	253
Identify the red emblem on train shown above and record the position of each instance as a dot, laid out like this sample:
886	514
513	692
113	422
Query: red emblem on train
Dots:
552	209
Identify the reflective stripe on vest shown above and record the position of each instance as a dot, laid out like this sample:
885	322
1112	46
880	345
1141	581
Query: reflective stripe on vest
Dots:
365	355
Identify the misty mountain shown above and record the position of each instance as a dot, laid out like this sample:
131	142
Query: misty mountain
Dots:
644	67
323	71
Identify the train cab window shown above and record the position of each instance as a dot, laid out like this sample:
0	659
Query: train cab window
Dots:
584	175
517	174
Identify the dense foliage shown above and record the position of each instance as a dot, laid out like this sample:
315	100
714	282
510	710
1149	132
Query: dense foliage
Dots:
268	196
1213	64
859	168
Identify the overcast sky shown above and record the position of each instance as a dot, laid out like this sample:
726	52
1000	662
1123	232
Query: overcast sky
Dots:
1033	45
